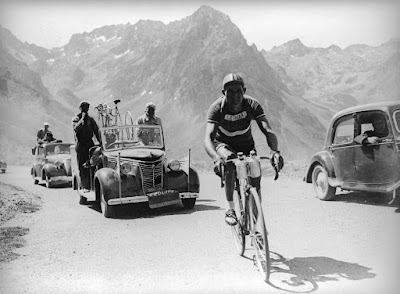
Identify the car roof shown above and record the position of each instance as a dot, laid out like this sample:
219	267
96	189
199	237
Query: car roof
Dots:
365	107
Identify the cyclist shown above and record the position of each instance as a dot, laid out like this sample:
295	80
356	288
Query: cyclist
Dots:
228	131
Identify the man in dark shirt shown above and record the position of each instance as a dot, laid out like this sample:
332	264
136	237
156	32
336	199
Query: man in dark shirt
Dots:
228	131
85	127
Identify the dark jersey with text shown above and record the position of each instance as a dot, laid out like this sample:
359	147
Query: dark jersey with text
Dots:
235	128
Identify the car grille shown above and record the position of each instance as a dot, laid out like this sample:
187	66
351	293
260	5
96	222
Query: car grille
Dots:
152	176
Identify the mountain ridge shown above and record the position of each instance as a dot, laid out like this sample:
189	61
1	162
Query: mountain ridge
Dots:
180	67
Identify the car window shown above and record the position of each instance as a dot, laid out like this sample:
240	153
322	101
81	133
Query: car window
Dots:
372	123
396	118
132	137
344	131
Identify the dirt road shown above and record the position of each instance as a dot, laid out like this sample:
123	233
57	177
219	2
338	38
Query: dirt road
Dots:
350	245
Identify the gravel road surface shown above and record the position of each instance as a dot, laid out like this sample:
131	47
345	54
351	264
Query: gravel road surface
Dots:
349	245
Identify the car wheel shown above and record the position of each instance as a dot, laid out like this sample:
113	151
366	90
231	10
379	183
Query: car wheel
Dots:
35	181
321	185
82	200
106	210
188	203
48	183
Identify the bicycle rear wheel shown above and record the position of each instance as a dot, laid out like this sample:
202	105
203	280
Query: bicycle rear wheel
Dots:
258	235
238	231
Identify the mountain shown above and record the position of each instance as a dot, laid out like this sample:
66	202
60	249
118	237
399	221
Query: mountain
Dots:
338	78
180	67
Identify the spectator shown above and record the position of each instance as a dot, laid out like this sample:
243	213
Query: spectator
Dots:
149	117
45	134
85	127
380	130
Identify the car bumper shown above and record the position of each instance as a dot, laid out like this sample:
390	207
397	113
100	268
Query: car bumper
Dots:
138	199
60	180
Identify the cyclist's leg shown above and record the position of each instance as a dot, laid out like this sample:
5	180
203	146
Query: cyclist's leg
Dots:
225	153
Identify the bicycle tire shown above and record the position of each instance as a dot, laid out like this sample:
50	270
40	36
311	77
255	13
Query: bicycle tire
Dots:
238	230
259	235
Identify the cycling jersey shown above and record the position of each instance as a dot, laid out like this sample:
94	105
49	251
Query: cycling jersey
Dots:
235	128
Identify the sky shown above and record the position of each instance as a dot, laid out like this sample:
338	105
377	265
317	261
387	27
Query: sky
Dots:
266	23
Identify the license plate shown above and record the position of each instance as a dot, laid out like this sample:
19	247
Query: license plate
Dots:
163	198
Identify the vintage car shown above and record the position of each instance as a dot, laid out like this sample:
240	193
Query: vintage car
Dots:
52	163
3	166
351	162
130	166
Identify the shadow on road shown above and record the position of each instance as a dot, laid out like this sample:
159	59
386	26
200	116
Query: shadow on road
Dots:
142	210
369	198
303	274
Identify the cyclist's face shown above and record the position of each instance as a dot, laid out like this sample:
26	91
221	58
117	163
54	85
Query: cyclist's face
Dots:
234	95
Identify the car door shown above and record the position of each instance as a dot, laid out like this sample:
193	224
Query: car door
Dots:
39	159
342	149
377	163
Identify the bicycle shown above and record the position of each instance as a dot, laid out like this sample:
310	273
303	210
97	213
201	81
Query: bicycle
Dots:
249	211
107	113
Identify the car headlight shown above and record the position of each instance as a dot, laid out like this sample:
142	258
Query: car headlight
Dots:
126	168
174	165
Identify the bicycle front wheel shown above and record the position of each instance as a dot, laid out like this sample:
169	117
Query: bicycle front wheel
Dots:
238	231
258	235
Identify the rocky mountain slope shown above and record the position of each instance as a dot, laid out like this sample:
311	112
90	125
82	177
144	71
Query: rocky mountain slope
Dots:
180	67
339	78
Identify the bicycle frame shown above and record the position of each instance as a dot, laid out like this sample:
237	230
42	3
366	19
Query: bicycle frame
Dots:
251	218
106	114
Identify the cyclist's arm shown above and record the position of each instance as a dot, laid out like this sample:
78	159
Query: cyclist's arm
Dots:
211	131
265	128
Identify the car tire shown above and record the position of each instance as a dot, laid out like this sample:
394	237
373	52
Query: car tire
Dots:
35	181
48	183
322	189
106	210
188	203
82	200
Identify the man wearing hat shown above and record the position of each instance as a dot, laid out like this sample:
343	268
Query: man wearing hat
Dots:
44	134
149	117
228	131
85	127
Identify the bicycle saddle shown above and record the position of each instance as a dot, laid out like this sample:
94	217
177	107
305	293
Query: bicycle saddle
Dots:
117	101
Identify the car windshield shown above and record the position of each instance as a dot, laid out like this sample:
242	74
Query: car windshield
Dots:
132	137
57	149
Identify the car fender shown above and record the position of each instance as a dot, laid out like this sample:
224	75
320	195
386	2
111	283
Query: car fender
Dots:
178	180
323	158
108	178
51	170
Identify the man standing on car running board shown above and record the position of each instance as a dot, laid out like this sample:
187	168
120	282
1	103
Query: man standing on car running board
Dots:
228	131
84	128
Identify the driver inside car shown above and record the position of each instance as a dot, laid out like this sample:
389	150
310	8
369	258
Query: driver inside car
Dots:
380	131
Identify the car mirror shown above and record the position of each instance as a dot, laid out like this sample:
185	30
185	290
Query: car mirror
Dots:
33	150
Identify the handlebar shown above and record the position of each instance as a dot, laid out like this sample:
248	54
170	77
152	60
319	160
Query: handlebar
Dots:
222	167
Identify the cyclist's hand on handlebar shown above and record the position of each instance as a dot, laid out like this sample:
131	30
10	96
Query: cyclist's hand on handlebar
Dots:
277	160
217	166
